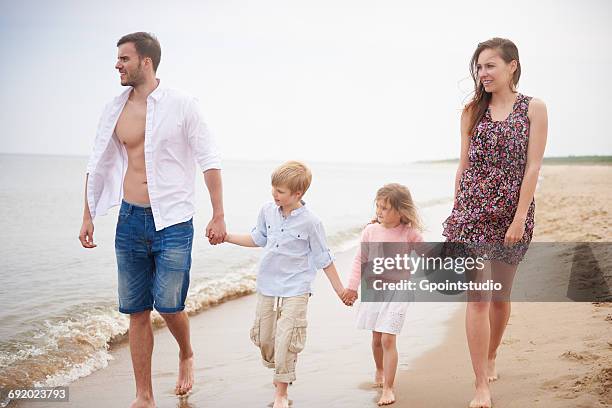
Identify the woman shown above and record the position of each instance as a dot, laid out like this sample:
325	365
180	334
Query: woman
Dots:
503	136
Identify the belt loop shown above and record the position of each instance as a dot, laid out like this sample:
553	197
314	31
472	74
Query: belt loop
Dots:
275	301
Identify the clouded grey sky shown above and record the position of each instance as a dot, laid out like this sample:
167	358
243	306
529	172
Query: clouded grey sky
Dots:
330	80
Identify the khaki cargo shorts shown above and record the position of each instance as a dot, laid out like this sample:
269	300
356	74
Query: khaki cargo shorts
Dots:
279	331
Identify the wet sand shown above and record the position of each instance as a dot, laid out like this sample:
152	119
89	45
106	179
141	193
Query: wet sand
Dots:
553	354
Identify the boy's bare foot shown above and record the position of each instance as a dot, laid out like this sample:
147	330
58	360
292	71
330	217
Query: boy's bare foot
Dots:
482	398
492	371
141	402
387	397
378	379
281	401
185	378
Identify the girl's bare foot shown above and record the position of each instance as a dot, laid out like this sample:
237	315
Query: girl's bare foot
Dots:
482	398
387	397
379	379
185	378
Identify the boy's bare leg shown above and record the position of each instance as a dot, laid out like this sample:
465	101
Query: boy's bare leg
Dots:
178	324
141	349
377	352
281	399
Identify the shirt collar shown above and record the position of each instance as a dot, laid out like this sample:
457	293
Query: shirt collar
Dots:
295	212
156	94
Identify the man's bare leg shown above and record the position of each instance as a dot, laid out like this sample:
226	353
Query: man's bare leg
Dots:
178	323
141	349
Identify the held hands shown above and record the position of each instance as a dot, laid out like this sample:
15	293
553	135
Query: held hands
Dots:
349	296
215	230
515	232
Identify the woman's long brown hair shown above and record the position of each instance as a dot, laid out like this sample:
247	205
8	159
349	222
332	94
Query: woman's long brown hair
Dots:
477	107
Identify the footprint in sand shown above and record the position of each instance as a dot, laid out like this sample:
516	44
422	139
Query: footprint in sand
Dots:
583	356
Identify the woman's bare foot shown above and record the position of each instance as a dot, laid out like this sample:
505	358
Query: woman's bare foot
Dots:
492	371
482	398
141	402
185	378
281	401
379	379
387	397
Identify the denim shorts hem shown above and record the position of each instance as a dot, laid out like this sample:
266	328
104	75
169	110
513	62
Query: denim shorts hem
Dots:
135	310
170	309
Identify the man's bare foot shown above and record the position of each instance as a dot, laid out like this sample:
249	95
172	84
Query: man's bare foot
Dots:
482	398
281	401
387	397
378	379
141	402
492	371
185	378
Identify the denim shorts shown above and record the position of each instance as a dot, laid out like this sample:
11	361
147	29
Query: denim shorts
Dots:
153	266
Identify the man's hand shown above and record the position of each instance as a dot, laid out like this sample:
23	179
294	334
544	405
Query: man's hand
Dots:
86	234
215	230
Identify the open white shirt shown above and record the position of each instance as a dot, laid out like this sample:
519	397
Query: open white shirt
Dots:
176	137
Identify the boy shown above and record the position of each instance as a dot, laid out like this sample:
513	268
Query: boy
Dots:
295	247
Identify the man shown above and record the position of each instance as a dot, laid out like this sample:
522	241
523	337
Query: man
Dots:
148	142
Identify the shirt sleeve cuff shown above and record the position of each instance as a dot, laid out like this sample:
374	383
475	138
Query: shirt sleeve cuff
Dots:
323	260
210	164
258	238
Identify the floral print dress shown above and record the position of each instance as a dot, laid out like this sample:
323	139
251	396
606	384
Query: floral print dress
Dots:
489	188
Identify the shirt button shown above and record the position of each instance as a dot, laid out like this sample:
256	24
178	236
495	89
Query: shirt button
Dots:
277	245
282	230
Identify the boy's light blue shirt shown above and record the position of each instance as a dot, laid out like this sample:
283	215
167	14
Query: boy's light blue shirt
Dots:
294	248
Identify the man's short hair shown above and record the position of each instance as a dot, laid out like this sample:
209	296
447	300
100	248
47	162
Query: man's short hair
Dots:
294	175
146	45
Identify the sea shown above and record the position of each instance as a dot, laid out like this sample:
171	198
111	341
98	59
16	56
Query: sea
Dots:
58	300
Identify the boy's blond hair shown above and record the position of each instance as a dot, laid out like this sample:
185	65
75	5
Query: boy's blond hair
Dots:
294	175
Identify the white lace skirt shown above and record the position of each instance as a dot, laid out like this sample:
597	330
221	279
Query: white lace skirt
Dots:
383	316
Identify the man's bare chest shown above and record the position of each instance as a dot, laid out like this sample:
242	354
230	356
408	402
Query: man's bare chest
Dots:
130	128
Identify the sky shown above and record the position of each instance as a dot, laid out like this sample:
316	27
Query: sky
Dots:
334	80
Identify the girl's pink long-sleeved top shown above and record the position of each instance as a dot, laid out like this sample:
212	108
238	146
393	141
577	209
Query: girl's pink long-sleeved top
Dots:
377	233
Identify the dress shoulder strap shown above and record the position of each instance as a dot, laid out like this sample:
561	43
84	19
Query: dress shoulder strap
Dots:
522	104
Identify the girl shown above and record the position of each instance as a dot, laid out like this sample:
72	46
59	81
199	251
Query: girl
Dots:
396	221
503	135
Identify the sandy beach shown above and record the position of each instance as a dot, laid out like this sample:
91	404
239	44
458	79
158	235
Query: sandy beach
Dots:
553	354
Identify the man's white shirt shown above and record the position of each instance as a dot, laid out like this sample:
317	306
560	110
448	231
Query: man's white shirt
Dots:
176	138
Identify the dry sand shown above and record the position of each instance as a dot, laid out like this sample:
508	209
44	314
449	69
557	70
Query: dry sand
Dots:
553	354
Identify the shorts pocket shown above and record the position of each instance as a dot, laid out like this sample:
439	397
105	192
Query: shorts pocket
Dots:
255	338
298	336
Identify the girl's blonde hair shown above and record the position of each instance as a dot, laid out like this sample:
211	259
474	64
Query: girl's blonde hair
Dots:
400	199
